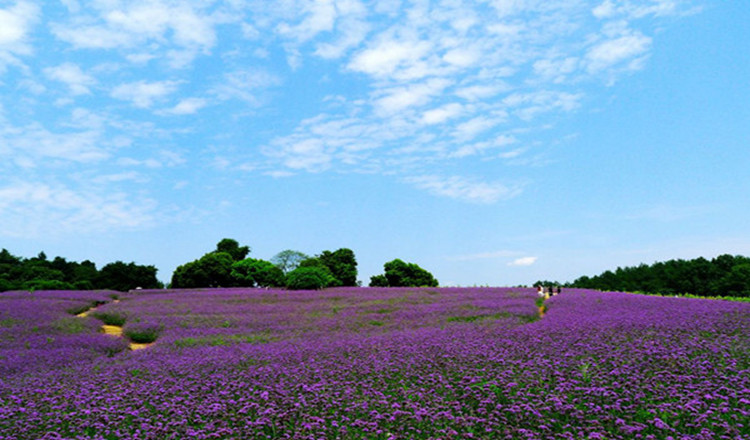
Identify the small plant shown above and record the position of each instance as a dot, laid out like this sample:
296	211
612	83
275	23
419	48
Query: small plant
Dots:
8	322
69	325
141	333
111	318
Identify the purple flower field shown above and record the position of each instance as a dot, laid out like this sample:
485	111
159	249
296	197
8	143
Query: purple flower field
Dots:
368	363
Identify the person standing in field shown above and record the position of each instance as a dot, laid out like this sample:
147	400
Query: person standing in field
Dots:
540	290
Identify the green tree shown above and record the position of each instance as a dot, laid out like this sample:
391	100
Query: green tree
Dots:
211	270
309	278
252	272
378	281
288	260
233	248
401	274
123	277
342	264
736	282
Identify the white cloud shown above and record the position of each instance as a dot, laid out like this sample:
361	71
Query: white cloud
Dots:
618	50
181	29
524	261
319	16
480	147
188	106
32	208
28	146
441	114
471	128
528	105
143	94
244	84
390	56
398	99
15	23
72	76
463	189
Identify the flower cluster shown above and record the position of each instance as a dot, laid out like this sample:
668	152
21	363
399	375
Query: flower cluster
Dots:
383	364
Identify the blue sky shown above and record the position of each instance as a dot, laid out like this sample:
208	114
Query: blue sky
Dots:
491	142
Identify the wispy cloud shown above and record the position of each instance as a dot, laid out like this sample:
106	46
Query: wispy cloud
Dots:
523	261
16	22
71	75
456	187
142	94
30	208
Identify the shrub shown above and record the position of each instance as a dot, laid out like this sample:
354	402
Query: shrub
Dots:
142	333
110	318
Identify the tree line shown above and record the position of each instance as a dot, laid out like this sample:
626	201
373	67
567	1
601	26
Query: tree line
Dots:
41	273
725	275
228	266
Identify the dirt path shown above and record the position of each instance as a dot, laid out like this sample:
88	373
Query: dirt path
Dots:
114	330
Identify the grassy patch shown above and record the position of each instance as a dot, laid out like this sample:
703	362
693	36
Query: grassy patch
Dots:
8	322
110	318
69	326
485	316
377	323
221	340
80	308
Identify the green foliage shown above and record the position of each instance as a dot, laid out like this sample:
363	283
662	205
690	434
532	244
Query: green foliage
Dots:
725	275
309	278
69	325
110	318
252	272
378	281
123	277
211	270
401	274
221	340
288	260
342	264
40	273
47	285
142	334
233	248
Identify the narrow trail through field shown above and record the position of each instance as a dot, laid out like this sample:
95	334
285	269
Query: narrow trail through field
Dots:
114	330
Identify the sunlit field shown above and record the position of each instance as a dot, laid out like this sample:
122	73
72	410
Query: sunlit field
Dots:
370	363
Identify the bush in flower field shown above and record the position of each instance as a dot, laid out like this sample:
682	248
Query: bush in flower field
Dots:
142	332
110	317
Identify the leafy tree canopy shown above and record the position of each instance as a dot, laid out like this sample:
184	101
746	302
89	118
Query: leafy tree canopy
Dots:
342	264
211	270
41	273
725	275
252	272
401	274
288	260
124	277
233	248
309	278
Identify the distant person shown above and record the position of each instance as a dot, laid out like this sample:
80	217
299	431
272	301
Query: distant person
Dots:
559	290
540	290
